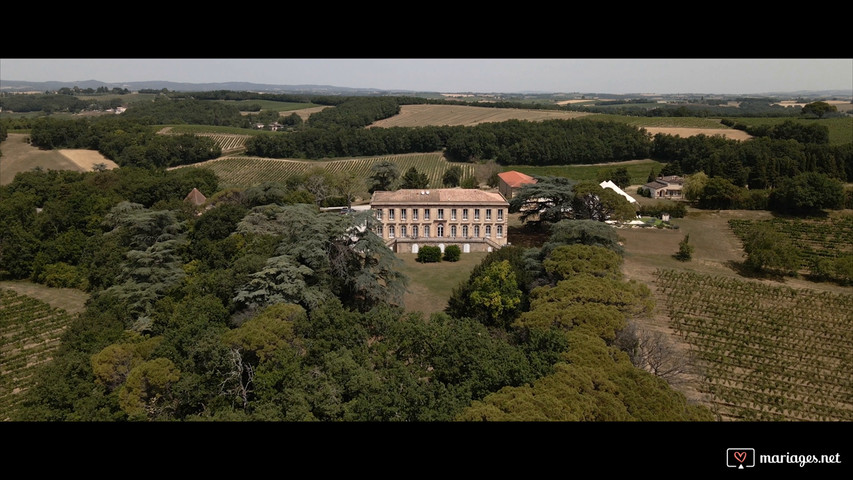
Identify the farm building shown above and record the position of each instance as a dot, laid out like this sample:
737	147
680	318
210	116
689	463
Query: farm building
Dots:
666	187
195	197
510	182
615	188
474	220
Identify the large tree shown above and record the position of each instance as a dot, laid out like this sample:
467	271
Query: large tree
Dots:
320	255
383	175
807	193
452	176
548	200
593	202
415	179
766	248
496	294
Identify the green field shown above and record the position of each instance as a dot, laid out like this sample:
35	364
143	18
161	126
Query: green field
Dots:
241	172
661	122
431	284
271	105
126	98
638	170
840	129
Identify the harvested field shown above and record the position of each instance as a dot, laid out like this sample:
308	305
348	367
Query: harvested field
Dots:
690	132
425	115
304	113
20	156
86	159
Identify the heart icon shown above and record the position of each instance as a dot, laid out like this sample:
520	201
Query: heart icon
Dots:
740	456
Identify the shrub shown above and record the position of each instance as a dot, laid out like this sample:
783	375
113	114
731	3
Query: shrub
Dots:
428	254
452	253
685	250
674	209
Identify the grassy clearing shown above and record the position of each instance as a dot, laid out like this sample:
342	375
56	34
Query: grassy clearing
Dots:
430	284
840	129
270	105
125	98
68	299
426	115
662	122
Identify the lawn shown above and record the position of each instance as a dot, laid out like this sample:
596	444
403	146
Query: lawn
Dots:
68	299
430	284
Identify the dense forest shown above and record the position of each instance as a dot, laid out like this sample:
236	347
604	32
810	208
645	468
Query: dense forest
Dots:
275	311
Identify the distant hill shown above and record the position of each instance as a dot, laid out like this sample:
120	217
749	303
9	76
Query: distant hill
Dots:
27	86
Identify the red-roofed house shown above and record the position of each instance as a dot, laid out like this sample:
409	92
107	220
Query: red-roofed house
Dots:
474	220
510	182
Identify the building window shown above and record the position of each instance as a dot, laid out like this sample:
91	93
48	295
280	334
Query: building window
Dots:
453	231
439	230
488	231
426	231
500	214
488	214
403	231
476	214
415	214
391	231
500	231
390	214
464	214
379	214
440	214
465	231
476	231
426	214
415	231
403	214
453	214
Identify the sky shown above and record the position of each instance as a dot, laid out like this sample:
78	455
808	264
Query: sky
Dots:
448	75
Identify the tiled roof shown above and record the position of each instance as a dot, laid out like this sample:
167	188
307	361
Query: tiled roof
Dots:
437	195
656	185
195	197
516	179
